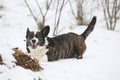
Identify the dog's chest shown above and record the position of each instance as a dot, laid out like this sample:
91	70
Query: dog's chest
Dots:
39	53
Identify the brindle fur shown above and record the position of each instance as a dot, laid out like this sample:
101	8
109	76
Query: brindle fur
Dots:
68	45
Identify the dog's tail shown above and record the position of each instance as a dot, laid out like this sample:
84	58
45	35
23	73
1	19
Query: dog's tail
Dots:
89	28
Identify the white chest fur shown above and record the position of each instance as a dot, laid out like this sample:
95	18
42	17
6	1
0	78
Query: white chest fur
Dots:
39	53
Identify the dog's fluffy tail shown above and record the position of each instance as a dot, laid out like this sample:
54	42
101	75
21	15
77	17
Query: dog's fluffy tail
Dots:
89	28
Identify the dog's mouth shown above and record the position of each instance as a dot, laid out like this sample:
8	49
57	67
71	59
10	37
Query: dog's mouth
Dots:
34	45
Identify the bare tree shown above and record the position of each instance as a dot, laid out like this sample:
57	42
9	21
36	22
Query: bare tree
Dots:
79	13
59	8
1	4
58	11
41	23
1	7
111	13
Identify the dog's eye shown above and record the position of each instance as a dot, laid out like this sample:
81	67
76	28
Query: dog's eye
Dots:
37	35
31	35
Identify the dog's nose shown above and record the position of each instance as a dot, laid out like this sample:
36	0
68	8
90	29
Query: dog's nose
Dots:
33	41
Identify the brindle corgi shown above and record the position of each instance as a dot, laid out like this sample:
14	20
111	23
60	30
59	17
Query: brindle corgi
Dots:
63	46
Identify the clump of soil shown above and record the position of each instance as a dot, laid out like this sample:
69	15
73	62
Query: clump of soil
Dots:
26	61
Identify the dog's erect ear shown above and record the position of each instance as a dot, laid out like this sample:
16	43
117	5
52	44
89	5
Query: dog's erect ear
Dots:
27	31
45	31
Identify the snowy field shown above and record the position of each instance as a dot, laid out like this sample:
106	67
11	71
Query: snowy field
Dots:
101	60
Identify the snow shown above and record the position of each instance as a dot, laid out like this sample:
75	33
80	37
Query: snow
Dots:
100	61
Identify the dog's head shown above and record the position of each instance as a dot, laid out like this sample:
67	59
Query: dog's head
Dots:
36	39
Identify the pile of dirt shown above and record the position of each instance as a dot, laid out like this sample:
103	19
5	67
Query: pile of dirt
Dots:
26	61
1	60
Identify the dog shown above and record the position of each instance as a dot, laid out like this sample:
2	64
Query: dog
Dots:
63	46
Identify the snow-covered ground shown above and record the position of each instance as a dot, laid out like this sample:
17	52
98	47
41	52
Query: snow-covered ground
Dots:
100	62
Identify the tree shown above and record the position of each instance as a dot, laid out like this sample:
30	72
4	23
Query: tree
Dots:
1	7
1	4
111	11
59	7
58	11
79	12
40	23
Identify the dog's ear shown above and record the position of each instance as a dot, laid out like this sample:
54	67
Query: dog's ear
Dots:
45	31
27	31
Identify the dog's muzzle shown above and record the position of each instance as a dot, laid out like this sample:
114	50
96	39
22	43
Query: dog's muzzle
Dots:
34	43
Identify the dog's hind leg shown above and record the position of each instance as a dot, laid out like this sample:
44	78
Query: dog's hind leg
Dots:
80	51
